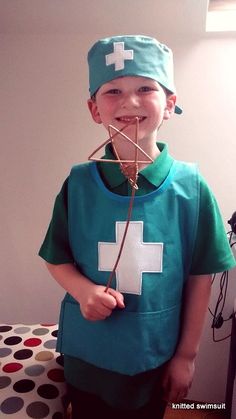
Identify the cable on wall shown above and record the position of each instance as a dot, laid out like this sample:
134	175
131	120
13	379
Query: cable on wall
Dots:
217	313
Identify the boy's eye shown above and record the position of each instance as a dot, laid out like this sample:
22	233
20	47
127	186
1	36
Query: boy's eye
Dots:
113	91
146	89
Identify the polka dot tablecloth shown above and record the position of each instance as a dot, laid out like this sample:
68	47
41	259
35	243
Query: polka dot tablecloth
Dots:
32	382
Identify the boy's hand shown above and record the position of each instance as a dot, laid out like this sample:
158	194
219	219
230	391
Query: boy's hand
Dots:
95	304
177	378
178	374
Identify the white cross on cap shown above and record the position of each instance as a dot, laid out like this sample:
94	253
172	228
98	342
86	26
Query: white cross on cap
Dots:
137	257
119	56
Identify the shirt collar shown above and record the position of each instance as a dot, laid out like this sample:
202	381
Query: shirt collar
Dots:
155	173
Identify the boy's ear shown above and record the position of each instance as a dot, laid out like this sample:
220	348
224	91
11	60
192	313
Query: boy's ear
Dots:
170	106
92	105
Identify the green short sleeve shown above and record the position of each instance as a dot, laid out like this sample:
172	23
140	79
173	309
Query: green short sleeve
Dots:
212	251
56	248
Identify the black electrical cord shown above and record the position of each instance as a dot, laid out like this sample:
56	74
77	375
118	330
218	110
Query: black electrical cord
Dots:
218	319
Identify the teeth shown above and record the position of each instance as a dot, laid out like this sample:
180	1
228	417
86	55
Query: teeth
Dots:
130	119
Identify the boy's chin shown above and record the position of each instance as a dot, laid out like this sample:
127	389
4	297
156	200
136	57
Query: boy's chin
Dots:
120	131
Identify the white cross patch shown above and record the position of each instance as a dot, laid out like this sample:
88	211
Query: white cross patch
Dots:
137	257
119	56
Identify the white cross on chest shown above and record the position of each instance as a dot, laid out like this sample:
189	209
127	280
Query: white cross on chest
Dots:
137	257
119	56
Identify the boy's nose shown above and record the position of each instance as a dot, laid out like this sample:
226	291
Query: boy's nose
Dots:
130	100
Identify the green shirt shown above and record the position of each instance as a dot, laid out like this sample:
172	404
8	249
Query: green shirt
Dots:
212	254
212	251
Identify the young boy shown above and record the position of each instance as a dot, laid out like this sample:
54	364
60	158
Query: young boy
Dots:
130	350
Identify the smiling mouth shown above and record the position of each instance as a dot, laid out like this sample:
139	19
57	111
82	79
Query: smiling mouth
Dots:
130	119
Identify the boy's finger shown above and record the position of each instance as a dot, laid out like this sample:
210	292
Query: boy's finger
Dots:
118	296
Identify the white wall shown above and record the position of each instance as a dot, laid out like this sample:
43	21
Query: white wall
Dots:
45	129
205	133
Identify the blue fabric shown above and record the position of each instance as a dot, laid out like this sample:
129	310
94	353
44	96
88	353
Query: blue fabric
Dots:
149	325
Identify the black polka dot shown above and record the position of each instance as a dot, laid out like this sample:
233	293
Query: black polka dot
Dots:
12	340
57	415
24	386
5	328
48	391
23	354
60	360
54	333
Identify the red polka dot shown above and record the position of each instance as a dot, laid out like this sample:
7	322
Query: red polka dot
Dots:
12	367
56	375
48	324
32	342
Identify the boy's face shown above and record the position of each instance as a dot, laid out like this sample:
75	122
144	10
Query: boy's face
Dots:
121	100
